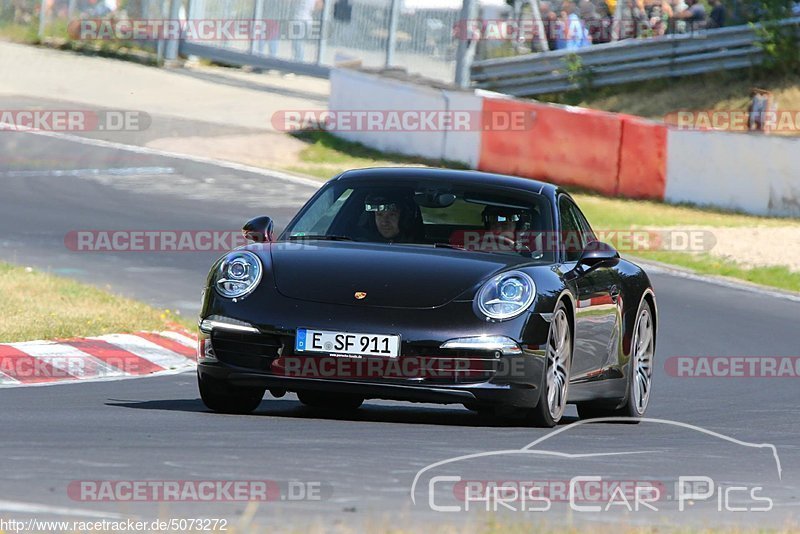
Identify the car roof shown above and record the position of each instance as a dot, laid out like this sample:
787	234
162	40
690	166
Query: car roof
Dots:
459	176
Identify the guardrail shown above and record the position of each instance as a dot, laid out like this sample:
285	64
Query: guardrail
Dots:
624	61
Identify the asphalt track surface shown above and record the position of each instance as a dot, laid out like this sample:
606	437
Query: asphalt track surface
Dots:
363	464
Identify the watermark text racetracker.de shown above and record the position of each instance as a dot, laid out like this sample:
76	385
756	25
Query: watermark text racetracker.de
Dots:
733	366
175	240
73	120
778	121
154	240
222	30
66	366
402	120
198	490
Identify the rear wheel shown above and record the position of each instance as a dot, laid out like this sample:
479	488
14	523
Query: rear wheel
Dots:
640	373
555	382
331	401
224	399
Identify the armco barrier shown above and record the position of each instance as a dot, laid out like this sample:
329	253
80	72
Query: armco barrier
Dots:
642	159
564	145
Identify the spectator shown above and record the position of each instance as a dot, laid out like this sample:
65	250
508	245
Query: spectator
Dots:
796	8
676	23
561	24
633	20
576	35
552	27
549	22
716	19
659	16
695	16
304	16
761	104
600	27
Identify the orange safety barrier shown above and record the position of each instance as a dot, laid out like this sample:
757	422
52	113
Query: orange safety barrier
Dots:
643	159
566	146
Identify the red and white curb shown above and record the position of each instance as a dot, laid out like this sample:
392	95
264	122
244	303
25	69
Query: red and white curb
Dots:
108	357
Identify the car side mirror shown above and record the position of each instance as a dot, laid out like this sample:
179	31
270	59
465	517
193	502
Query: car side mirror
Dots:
258	230
597	252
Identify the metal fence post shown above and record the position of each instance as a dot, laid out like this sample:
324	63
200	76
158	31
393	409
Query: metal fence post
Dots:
171	52
391	38
258	16
540	30
323	29
466	50
42	21
616	26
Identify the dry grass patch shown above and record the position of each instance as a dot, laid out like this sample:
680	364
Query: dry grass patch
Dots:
38	305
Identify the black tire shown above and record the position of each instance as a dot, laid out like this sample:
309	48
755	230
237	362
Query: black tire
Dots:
542	415
330	401
223	399
631	410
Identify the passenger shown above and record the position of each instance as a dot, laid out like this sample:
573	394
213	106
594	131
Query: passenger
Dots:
504	224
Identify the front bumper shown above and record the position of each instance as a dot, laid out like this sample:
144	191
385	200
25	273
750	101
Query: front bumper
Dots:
242	356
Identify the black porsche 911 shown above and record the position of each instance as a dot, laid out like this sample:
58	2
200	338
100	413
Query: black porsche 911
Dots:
430	285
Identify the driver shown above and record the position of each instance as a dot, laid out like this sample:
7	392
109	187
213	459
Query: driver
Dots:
393	217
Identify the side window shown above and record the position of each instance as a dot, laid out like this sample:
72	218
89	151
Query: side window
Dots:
572	239
588	233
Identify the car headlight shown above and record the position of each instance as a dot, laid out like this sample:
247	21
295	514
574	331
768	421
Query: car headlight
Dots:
237	274
506	295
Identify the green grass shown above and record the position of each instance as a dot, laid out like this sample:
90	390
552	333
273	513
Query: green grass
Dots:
776	277
56	36
327	155
19	33
620	213
39	305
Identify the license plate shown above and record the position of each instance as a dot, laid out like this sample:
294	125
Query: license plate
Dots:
346	342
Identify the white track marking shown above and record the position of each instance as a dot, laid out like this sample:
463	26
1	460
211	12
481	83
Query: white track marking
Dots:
180	338
7	380
148	350
67	382
36	508
68	359
164	153
113	171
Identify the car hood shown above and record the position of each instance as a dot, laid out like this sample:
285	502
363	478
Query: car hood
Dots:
391	275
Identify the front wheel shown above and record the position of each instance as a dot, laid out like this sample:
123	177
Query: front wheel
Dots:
555	382
221	398
640	373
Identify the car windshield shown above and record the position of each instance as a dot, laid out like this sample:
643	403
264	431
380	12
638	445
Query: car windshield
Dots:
472	218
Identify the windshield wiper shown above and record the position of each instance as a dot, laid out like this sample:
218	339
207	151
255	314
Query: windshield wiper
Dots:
321	237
